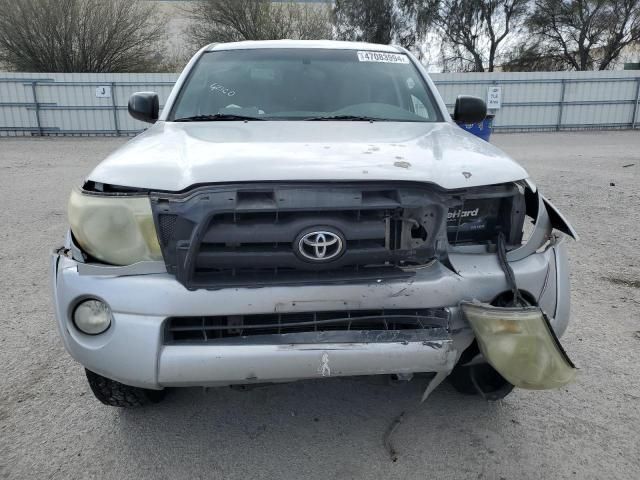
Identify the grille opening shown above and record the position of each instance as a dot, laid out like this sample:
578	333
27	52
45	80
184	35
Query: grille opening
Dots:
255	199
245	247
212	328
419	232
379	197
249	236
272	247
395	234
275	216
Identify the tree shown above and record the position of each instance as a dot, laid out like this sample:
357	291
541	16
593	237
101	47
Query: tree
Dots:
531	56
418	18
378	21
475	30
78	35
586	34
235	20
372	21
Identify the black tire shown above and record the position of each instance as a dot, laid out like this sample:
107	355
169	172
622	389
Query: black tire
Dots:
116	394
481	379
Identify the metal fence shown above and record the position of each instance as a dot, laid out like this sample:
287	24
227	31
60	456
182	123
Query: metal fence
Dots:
96	104
553	100
73	103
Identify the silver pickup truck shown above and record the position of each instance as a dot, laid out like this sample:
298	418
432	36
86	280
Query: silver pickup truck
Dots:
310	209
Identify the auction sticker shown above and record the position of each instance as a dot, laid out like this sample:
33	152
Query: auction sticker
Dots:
382	57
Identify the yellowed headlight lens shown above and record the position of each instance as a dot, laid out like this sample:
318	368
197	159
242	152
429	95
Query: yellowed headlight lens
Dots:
520	345
116	230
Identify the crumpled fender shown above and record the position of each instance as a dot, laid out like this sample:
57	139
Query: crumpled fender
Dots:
547	217
557	220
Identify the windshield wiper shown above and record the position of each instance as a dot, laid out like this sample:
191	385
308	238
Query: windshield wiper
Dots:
353	118
218	117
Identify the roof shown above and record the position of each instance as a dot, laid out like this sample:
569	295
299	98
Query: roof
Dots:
325	44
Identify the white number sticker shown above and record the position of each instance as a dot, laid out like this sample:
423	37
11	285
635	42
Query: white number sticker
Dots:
103	91
382	57
494	97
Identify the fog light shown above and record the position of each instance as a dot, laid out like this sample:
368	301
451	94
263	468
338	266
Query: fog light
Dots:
92	317
520	344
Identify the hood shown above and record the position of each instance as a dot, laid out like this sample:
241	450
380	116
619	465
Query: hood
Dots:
174	156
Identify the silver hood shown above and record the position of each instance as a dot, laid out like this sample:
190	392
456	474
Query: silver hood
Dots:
174	156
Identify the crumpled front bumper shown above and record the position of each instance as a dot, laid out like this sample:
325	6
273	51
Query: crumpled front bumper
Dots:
133	350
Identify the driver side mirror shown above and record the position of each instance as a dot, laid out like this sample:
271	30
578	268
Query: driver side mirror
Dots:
144	106
469	109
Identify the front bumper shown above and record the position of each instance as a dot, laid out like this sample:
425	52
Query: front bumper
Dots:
133	352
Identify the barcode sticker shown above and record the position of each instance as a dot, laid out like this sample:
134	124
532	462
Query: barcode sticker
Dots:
382	57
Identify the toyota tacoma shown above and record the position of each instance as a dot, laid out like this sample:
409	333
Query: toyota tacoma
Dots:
310	209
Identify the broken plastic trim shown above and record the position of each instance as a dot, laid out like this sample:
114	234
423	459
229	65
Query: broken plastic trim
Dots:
521	345
547	217
558	221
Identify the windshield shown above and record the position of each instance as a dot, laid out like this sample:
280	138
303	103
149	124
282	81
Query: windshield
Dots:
305	84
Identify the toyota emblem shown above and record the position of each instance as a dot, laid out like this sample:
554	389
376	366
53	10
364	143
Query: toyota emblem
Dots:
320	245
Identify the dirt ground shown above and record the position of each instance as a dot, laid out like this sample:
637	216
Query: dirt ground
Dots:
52	427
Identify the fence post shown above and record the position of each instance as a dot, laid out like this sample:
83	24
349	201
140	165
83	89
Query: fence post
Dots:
35	100
560	107
114	106
635	106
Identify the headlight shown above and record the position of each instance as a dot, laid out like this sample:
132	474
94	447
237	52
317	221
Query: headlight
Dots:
116	230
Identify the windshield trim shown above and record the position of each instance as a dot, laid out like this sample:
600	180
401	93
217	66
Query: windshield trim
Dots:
440	115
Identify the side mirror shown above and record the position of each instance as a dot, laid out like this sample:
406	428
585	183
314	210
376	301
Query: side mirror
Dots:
469	109
144	106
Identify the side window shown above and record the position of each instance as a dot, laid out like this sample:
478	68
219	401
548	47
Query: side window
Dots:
418	107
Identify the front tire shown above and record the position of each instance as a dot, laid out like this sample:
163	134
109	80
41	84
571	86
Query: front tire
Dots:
480	379
116	394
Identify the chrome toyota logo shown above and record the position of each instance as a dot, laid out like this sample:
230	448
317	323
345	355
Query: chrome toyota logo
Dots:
320	245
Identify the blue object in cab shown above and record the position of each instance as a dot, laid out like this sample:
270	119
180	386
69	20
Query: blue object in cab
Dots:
481	129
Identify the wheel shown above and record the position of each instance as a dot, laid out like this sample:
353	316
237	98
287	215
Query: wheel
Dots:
481	379
116	394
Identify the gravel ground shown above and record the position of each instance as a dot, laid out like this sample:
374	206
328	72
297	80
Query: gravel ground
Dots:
51	426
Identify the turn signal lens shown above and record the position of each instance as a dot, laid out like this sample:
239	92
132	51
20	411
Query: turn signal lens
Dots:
521	345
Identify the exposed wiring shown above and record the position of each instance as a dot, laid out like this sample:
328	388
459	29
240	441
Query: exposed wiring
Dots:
518	300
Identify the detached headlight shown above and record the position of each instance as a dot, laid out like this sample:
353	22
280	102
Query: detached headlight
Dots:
116	230
520	344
